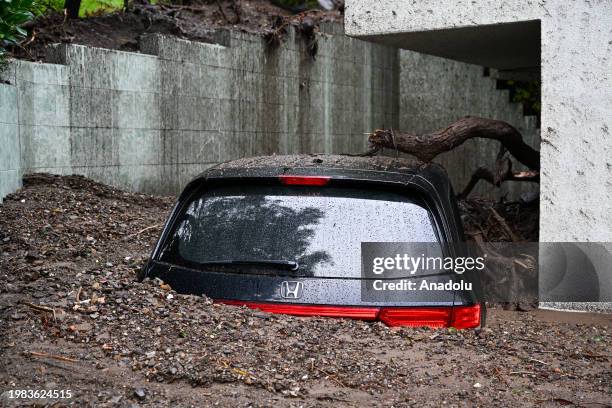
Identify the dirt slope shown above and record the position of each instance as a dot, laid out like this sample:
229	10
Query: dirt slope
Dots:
194	20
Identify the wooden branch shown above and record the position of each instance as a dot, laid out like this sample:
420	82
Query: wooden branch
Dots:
53	356
482	173
500	220
427	147
141	231
41	308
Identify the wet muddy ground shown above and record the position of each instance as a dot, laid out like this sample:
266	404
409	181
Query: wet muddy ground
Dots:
73	317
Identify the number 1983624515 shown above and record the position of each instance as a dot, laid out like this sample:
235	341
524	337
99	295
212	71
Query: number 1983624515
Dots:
38	394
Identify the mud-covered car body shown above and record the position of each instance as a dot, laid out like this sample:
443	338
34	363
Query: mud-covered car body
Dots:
304	217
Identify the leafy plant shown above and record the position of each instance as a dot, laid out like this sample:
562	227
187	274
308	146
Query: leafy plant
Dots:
88	8
98	7
526	93
13	14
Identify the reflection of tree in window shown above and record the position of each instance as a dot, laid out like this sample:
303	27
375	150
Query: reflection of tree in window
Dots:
248	228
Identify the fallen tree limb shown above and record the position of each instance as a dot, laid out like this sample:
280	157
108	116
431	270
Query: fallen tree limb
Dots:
426	147
482	173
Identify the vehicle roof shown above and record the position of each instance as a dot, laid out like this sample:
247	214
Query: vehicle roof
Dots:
374	168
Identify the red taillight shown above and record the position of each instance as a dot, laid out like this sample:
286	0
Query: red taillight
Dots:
416	316
466	317
304	180
362	313
459	317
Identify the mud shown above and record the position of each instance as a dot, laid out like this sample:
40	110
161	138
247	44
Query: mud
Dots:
73	317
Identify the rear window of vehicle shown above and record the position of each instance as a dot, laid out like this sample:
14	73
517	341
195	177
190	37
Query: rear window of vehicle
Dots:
319	228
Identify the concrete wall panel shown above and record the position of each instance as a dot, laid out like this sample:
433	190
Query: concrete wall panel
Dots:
44	146
10	159
149	122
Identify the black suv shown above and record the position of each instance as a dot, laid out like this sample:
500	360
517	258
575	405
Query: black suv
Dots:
283	234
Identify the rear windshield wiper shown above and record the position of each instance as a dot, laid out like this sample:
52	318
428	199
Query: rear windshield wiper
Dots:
281	264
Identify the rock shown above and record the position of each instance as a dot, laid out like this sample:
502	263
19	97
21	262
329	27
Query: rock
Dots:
83	327
140	393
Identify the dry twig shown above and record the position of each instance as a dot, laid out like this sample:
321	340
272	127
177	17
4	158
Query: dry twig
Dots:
500	220
53	356
331	377
141	231
41	308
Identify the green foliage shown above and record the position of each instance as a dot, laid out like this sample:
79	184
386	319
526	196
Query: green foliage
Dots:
13	13
97	7
88	7
526	93
56	5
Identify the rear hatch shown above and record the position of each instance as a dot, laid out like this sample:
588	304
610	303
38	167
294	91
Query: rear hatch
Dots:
293	244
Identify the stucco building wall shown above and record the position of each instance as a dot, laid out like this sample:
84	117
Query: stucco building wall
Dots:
576	73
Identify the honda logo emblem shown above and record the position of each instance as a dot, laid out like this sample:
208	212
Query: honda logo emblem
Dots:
291	289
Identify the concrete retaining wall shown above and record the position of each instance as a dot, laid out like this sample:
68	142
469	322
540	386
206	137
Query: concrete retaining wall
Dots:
436	91
10	159
149	122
